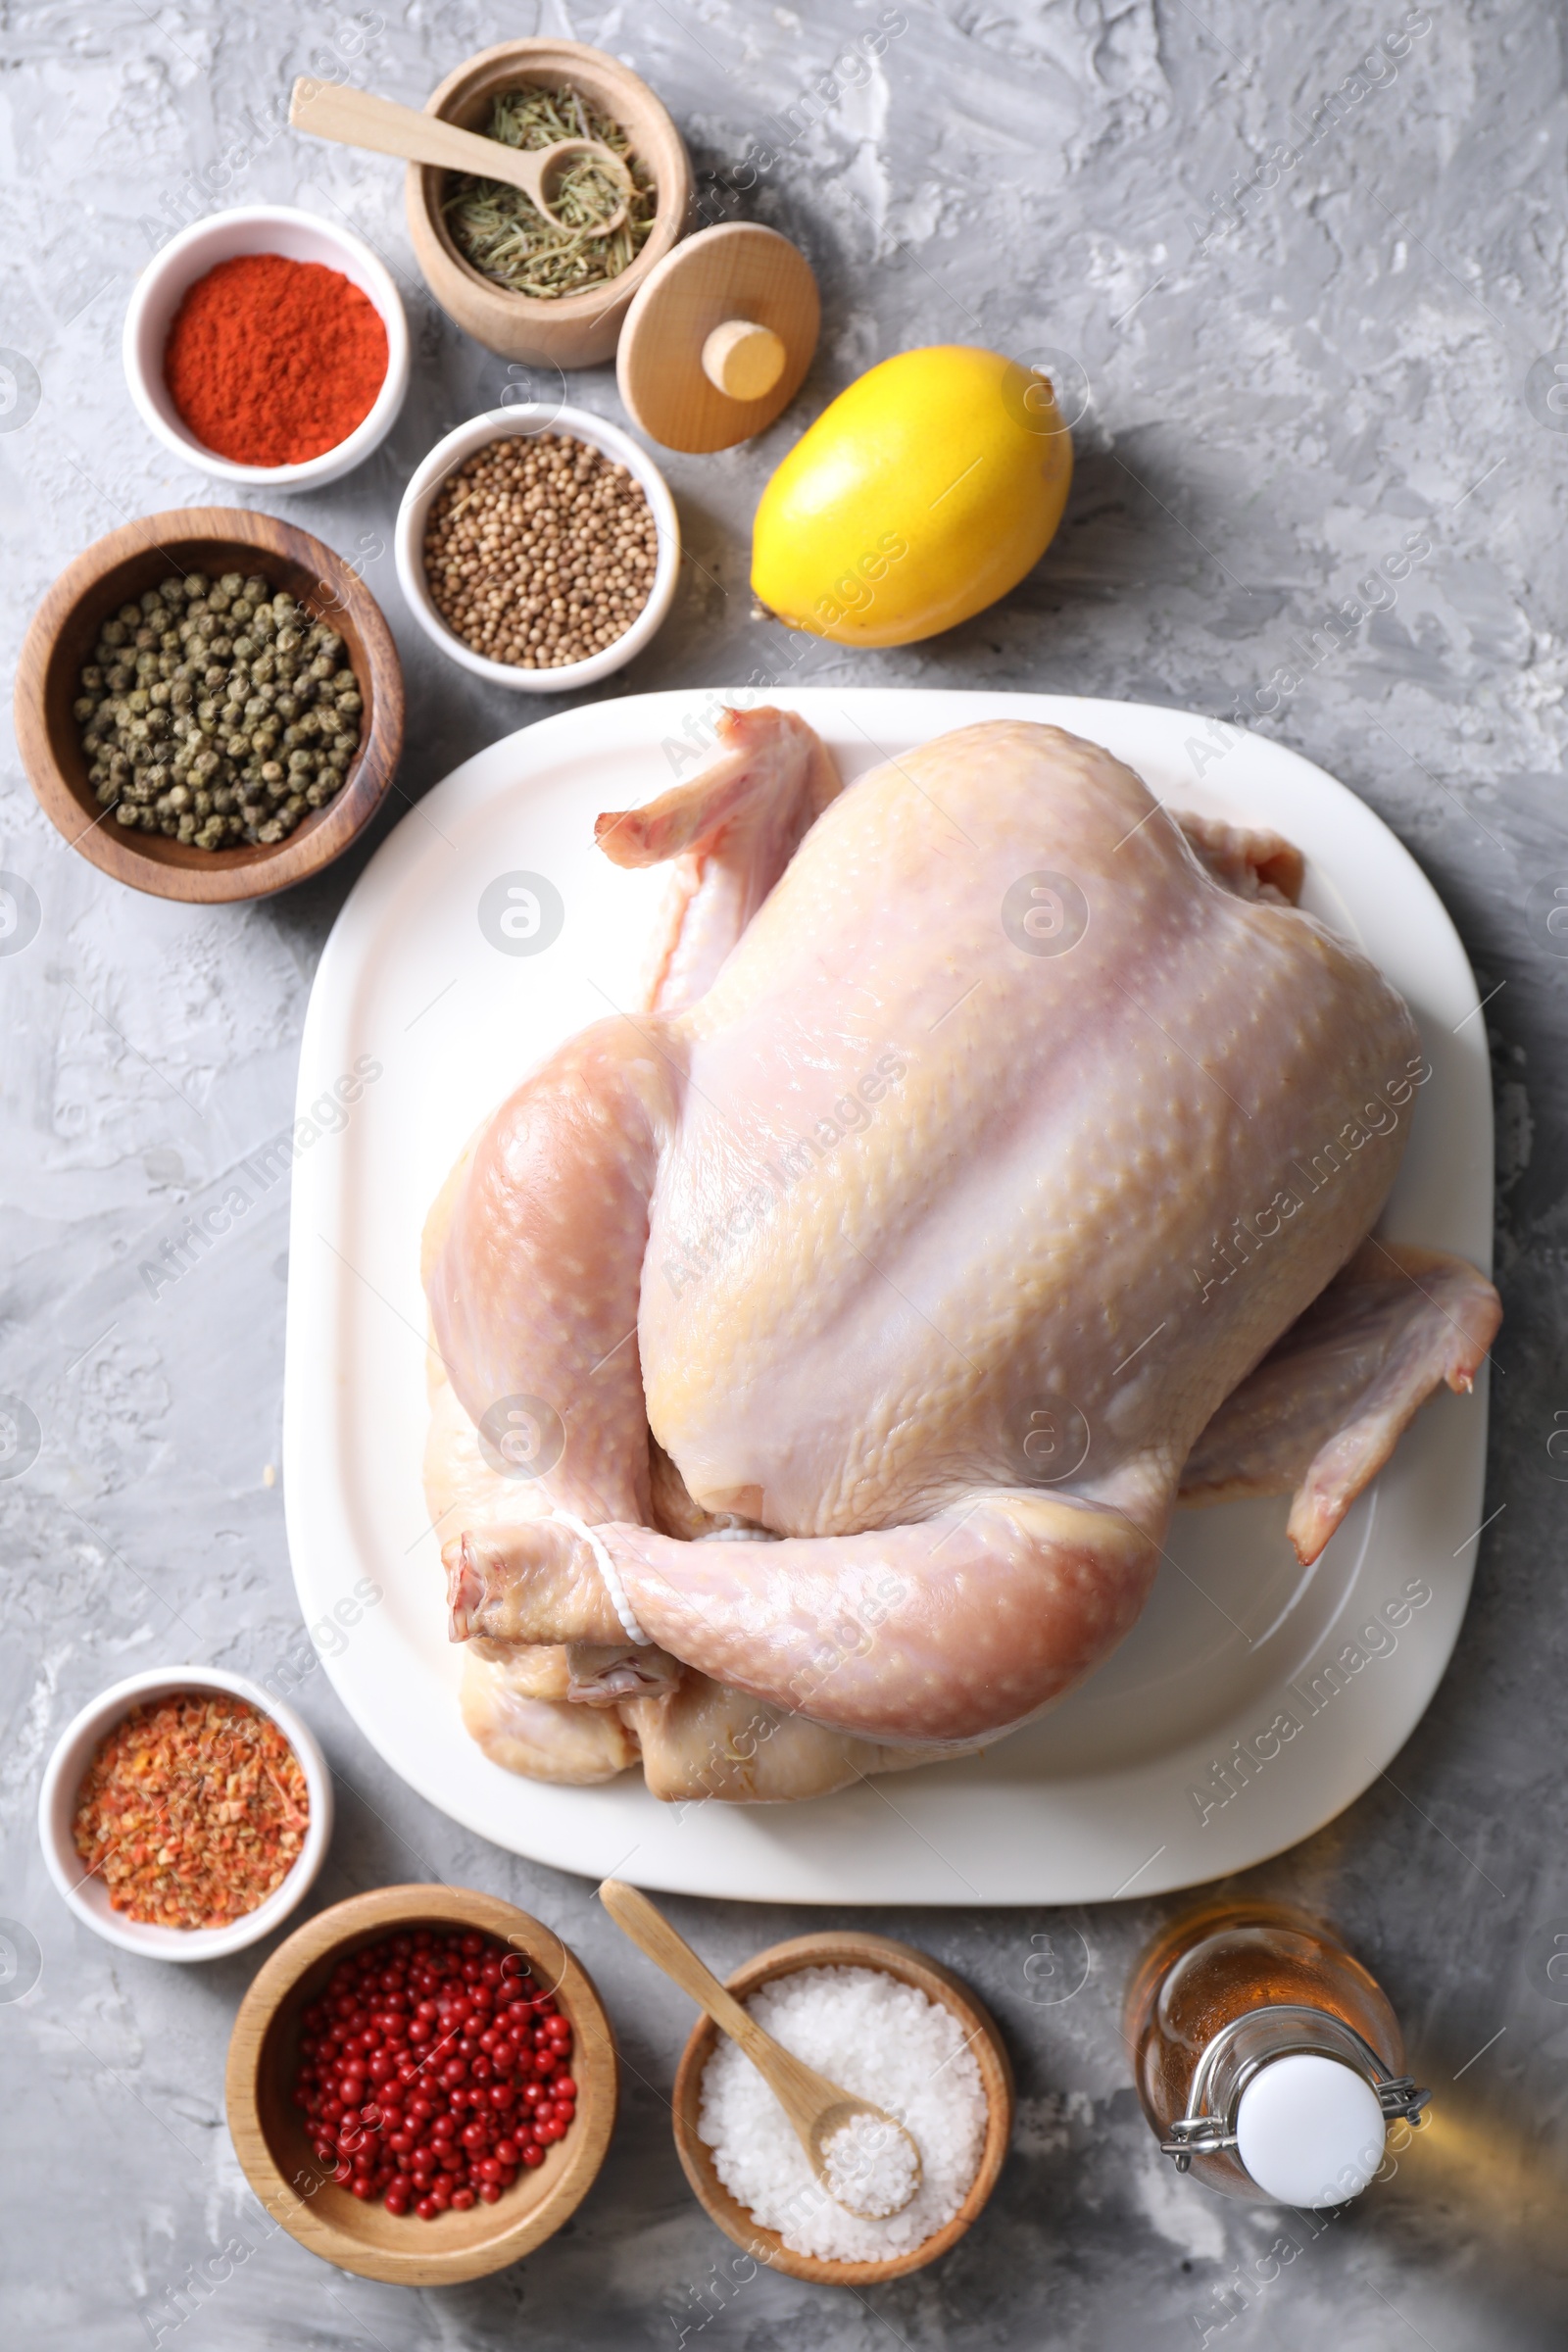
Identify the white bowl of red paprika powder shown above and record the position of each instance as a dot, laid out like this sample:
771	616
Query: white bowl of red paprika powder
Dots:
234	1787
267	348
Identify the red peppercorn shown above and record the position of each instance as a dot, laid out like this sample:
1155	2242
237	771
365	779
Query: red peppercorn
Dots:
410	2070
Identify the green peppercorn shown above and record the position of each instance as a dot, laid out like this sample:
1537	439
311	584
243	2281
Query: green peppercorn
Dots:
191	693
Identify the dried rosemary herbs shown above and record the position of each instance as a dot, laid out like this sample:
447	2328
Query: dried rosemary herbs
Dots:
507	238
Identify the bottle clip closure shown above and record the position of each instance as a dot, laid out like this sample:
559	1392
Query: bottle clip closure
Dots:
1239	2051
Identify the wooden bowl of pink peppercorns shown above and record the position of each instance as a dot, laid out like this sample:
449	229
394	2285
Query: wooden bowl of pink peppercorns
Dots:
428	2005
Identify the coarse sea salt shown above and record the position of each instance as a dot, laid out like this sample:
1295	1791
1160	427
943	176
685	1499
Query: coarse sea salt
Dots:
871	2166
879	2039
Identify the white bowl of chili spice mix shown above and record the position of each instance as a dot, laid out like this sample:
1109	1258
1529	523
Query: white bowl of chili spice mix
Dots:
184	1813
539	547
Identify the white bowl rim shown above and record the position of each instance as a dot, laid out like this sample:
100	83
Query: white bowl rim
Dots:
372	429
73	1751
529	418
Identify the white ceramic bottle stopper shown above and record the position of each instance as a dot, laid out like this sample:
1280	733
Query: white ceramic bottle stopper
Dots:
1310	2131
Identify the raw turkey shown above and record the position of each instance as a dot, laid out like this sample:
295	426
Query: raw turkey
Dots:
823	1345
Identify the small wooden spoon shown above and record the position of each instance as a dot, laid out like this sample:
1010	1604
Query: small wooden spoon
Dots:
355	119
815	2107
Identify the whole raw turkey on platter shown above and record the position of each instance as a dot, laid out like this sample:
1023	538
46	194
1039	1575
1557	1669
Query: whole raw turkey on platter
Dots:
822	1346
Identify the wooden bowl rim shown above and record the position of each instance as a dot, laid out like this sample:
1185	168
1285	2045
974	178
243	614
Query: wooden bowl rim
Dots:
213	877
669	217
847	1948
425	2263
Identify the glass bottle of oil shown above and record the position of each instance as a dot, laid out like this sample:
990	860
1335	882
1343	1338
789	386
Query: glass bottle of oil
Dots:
1268	2060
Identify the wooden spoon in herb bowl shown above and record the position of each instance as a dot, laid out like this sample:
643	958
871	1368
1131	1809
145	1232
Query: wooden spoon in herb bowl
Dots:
357	118
862	2156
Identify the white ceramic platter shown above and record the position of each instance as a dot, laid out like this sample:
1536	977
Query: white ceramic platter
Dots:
1253	1700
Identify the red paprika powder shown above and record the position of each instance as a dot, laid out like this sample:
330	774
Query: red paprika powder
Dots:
271	362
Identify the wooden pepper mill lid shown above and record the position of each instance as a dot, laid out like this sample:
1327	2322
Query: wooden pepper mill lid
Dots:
718	338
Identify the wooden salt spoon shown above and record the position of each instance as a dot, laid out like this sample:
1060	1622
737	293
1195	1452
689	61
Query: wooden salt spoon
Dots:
816	2108
355	119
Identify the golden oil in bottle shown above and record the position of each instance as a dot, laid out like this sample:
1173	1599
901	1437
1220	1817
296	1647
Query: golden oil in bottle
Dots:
1267	2058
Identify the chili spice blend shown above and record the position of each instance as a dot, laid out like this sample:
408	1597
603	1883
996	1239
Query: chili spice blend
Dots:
192	1812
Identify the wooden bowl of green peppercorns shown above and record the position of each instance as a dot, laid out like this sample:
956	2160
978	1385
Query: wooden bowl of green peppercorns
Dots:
209	704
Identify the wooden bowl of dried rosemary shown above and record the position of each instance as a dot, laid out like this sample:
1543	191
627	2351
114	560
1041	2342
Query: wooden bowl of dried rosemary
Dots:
521	285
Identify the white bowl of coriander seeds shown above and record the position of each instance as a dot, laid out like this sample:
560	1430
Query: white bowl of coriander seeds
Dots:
538	547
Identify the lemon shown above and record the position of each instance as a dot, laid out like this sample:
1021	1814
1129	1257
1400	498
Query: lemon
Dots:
922	494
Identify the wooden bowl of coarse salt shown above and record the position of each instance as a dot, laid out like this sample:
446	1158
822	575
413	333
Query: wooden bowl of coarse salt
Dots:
935	2072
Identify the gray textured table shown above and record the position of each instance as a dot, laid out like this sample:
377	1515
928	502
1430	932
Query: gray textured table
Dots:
1316	303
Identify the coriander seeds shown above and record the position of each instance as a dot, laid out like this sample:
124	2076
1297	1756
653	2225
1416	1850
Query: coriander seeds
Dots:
540	551
217	712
